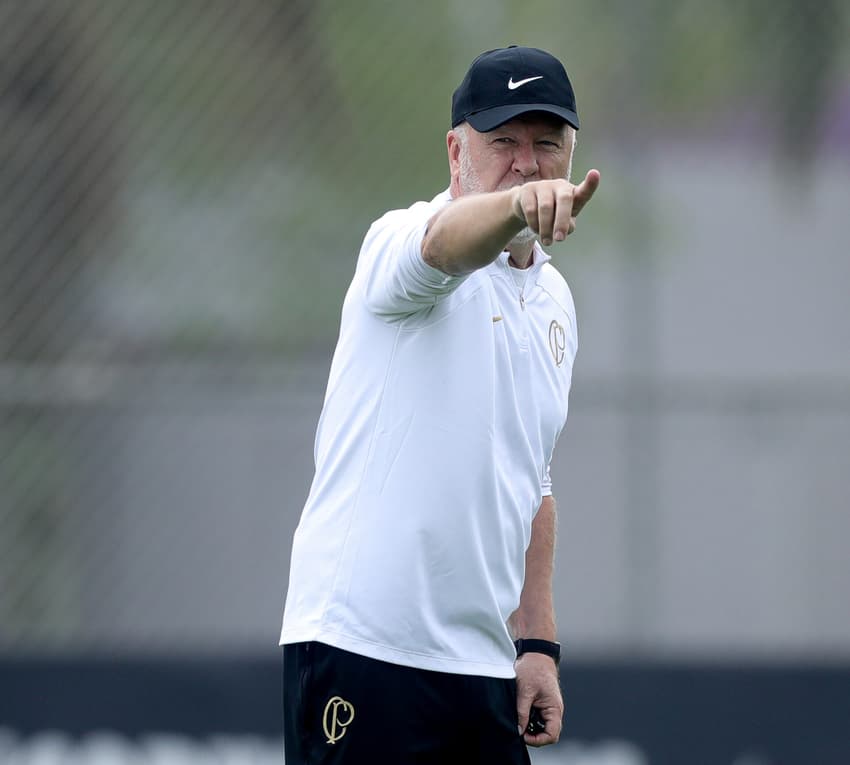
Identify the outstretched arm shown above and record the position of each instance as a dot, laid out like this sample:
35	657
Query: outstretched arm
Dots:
470	232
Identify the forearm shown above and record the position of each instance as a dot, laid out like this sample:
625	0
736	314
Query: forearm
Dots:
535	617
470	232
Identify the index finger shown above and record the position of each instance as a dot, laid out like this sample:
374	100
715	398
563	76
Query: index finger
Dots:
585	190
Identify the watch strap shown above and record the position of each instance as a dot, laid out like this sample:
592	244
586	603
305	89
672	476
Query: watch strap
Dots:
535	645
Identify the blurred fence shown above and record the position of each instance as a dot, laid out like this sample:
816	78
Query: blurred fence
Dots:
183	189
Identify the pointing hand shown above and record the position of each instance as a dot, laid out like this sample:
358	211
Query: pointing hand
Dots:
550	208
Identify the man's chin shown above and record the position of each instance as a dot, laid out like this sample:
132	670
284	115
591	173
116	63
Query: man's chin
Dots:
524	238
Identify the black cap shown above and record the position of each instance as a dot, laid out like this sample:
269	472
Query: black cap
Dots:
504	83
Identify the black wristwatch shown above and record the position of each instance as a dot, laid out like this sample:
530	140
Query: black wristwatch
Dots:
533	645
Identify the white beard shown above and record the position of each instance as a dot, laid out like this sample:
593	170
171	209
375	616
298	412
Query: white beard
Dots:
526	236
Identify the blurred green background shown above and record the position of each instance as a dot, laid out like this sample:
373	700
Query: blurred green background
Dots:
183	190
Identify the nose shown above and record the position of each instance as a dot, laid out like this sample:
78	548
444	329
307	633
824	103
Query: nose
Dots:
525	161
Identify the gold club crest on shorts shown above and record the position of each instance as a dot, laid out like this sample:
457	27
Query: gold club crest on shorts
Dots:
557	342
339	714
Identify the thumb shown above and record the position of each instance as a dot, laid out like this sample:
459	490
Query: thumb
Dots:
585	190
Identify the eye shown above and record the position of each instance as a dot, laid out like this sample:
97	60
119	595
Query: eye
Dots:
550	144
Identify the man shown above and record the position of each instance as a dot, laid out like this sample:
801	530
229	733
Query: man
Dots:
426	545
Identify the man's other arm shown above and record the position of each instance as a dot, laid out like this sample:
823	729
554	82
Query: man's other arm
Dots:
537	674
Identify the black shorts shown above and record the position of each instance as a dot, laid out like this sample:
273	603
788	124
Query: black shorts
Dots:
340	707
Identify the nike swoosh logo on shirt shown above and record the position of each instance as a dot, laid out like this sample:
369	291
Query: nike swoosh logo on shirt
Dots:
514	85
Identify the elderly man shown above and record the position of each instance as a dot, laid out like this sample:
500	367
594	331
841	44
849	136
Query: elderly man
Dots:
419	625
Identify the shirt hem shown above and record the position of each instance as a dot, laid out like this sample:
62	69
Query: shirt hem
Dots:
392	655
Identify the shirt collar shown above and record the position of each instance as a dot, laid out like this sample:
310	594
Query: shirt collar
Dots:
538	257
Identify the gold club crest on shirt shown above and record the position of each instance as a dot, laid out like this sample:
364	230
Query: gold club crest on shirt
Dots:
557	342
339	714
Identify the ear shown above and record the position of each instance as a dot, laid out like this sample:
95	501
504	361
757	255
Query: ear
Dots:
453	146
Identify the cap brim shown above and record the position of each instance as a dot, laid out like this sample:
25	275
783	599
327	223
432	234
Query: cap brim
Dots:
489	119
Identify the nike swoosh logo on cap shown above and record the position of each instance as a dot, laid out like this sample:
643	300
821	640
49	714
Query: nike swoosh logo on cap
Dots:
514	85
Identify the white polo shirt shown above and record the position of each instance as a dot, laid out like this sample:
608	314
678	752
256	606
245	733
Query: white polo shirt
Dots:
445	400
